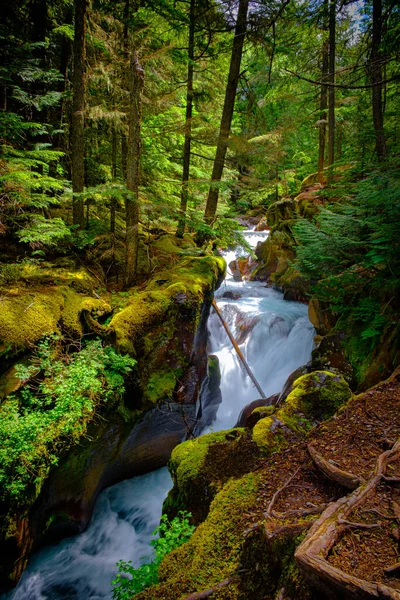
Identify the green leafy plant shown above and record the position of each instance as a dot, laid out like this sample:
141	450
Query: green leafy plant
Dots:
53	410
172	534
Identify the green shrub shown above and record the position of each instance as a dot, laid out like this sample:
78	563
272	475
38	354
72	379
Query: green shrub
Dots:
51	413
131	580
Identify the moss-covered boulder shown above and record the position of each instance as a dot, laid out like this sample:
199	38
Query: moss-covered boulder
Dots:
314	397
201	466
164	328
28	315
214	551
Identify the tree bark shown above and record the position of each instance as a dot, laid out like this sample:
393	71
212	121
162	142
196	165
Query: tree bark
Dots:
188	124
323	103
227	113
376	77
132	169
78	116
331	91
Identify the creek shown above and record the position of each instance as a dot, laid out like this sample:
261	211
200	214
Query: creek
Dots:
275	337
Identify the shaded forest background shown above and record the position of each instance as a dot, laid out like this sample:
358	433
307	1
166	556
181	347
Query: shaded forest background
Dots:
122	119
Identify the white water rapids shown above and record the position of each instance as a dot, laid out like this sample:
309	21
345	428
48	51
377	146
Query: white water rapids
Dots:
280	339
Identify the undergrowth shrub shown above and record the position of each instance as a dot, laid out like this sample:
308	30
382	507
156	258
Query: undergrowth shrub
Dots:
53	409
351	253
172	534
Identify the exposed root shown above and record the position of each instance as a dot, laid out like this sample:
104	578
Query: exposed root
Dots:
312	554
210	591
343	478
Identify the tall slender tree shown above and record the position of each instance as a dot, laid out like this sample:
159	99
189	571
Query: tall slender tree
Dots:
227	112
132	168
78	112
331	91
323	103
188	122
376	78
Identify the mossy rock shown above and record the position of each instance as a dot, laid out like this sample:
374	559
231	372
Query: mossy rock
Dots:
314	397
261	412
317	395
75	305
213	552
277	569
201	466
158	326
282	210
272	433
27	317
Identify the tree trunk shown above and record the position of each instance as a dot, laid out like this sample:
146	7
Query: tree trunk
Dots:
376	77
227	113
188	124
331	91
78	107
132	169
113	201
323	104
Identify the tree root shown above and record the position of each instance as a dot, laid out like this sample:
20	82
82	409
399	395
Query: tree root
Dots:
343	478
210	591
312	554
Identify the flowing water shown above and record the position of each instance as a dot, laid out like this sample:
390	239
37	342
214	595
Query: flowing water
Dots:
276	337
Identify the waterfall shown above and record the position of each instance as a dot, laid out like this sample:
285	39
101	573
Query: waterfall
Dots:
276	337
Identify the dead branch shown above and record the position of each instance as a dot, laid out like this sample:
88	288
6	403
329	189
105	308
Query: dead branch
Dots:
268	512
210	591
343	478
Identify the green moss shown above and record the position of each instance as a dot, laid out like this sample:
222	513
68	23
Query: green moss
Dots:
144	309
26	318
74	304
317	395
183	285
187	458
161	385
260	413
202	466
172	245
213	552
271	434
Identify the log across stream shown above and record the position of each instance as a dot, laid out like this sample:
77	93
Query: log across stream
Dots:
275	337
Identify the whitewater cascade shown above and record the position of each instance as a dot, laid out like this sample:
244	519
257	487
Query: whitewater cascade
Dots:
275	337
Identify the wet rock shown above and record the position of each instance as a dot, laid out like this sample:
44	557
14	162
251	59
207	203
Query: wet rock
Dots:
229	295
322	319
329	354
288	387
262	225
246	412
244	326
210	395
234	269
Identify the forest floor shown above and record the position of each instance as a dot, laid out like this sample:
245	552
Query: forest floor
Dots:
295	490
